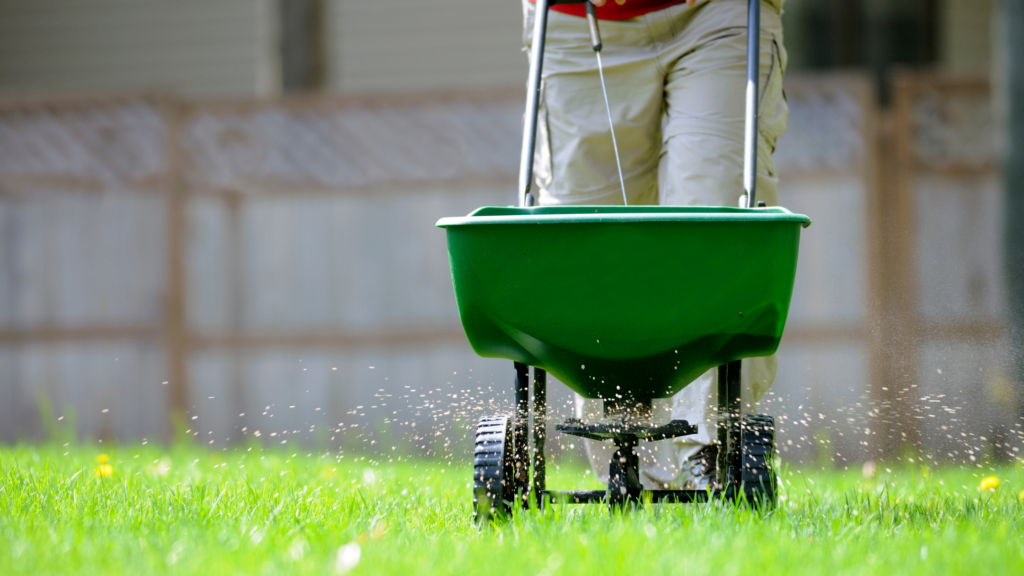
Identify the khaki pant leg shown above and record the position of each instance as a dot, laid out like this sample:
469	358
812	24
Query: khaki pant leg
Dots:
701	160
575	159
702	157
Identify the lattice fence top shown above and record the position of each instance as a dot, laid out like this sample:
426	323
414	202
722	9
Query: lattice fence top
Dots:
353	147
826	129
110	146
953	128
120	144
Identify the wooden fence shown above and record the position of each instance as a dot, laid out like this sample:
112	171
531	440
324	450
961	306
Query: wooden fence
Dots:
271	267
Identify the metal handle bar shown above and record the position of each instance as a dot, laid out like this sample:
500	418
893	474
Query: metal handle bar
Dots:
753	74
540	25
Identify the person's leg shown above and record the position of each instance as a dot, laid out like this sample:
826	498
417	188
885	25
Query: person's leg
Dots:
702	151
575	161
702	154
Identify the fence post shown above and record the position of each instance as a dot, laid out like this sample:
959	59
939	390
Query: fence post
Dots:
894	338
175	321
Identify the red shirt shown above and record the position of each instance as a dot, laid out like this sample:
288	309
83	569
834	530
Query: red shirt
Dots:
612	11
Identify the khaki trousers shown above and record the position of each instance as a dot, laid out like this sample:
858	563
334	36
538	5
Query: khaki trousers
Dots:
676	83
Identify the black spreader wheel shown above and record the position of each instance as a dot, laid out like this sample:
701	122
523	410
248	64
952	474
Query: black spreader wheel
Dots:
494	491
756	473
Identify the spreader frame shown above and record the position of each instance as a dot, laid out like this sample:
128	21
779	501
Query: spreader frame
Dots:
729	433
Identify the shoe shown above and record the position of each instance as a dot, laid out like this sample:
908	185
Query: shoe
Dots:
703	469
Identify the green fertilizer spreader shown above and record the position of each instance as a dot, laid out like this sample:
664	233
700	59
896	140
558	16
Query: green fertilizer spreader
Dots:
624	304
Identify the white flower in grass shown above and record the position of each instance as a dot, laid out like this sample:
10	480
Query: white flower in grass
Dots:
348	557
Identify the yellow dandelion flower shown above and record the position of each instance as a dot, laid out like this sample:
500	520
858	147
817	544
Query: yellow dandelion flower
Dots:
104	471
989	484
1021	495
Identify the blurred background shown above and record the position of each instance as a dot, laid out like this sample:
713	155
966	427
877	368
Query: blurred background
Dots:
216	221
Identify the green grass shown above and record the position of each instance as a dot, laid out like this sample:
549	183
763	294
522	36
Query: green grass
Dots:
241	511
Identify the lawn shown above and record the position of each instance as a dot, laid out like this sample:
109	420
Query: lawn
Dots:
185	510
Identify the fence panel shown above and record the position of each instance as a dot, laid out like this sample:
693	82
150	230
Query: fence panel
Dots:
82	272
233	258
950	184
825	161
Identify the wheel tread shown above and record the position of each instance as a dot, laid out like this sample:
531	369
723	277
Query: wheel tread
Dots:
493	468
758	450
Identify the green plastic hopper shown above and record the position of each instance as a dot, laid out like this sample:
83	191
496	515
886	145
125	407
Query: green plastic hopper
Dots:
631	302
